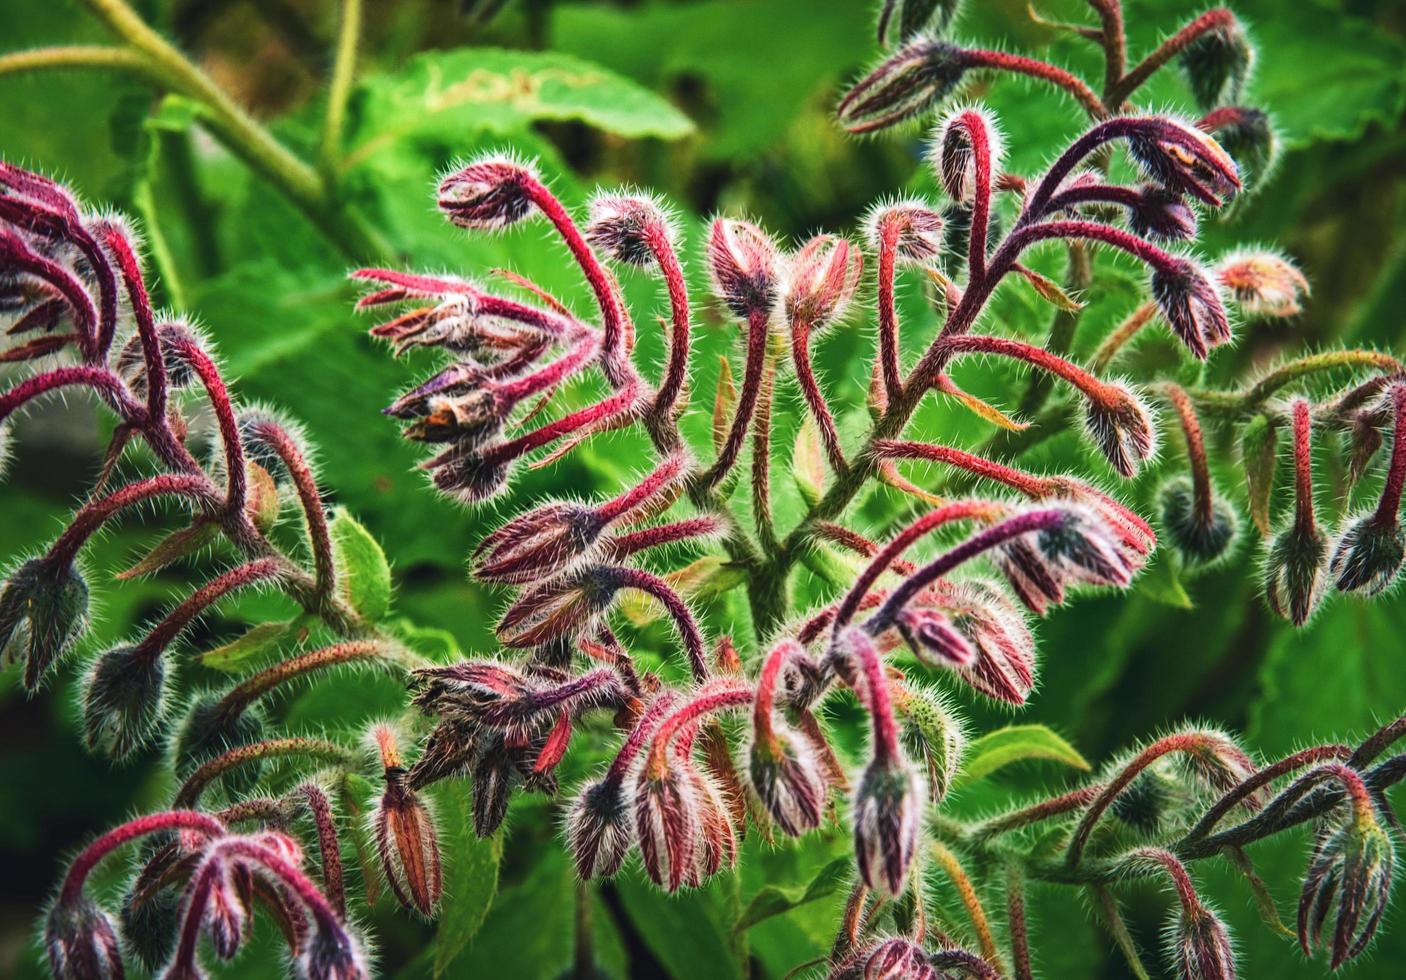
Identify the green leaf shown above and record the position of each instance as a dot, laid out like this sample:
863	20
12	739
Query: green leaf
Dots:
777	899
363	574
1258	451
683	931
255	645
1016	743
448	93
1161	582
808	466
470	877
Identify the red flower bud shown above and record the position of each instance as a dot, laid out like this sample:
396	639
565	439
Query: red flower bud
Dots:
823	278
621	226
916	228
407	843
81	942
1005	664
1263	283
1184	160
565	606
888	812
332	953
743	262
788	780
487	194
1121	427
538	544
933	638
599	831
917	76
898	959
226	914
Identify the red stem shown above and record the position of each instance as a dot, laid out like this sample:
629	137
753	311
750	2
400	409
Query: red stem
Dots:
625	545
310	498
766	693
1195	449
325	822
888	312
1115	42
18	257
1166	51
676	367
288	874
250	573
223	408
1390	502
1304	521
661	478
151	824
1039	357
645	726
975	126
858	644
95	513
614	404
1032	486
1004	61
652	585
815	399
243	694
716	700
1260	779
156	389
1186	889
98	378
757	323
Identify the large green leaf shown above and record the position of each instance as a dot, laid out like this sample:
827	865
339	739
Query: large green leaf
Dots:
685	931
1016	743
364	575
780	899
470	876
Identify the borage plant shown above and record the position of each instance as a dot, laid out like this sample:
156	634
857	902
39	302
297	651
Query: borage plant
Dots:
682	787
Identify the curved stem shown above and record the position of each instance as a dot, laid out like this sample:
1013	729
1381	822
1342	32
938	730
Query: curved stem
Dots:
970	900
239	697
715	700
645	727
1390	501
1123	333
1176	871
1045	809
765	699
655	587
1042	70
310	499
1166	51
241	576
95	513
1195	450
625	545
81	56
278	748
327	845
233	442
888	312
1029	484
857	644
154	823
659	480
979	138
676	367
758	322
155	361
1261	779
814	397
1115	43
1094	389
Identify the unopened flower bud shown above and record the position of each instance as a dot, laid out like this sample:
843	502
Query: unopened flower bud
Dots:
1349	882
1215	761
789	781
901	19
1295	572
1201	946
954	157
823	279
1248	136
1218	63
933	638
599	831
465	472
621	226
43	610
1121	427
124	698
566	605
898	959
494	777
931	734
888	810
668	823
1192	306
538	544
81	941
1145	803
226	918
717	838
332	953
1263	283
1005	664
1162	214
1184	160
915	227
1369	555
744	264
488	194
150	920
1200	536
920	74
408	845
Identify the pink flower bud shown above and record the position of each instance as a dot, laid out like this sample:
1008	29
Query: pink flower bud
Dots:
1162	214
823	279
917	231
743	262
933	638
538	544
1369	555
917	76
1348	881
1184	160
668	824
888	811
1201	946
898	959
1263	283
789	781
953	156
717	838
1005	664
621	226
599	831
81	942
487	194
408	844
564	606
1121	427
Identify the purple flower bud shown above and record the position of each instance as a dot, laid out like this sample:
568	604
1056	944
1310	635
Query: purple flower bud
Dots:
488	194
43	610
408	844
916	228
789	781
1368	555
1083	548
1217	64
599	832
823	278
468	473
124	699
743	263
1263	283
621	226
226	916
564	606
933	638
1121	427
888	812
1201	946
1030	575
1200	536
1162	214
1295	568
539	544
898	959
494	777
459	405
332	953
954	158
919	75
1184	160
668	823
1005	664
1349	881
717	838
81	941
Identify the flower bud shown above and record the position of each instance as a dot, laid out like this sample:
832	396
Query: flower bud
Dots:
563	606
888	811
1200	537
408	845
1263	284
1192	306
931	734
1146	801
1184	160
621	227
1005	663
1121	427
823	279
919	75
1161	214
494	777
81	941
210	729
538	544
898	959
173	336
1202	949
1349	880
933	638
1215	761
717	838
150	919
901	19
226	916
1218	63
789	781
332	953
1248	136
958	228
743	263
668	823
42	611
488	194
954	158
466	473
124	699
1368	555
916	228
1294	572
598	829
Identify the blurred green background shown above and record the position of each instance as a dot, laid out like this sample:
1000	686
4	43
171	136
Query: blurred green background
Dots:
720	105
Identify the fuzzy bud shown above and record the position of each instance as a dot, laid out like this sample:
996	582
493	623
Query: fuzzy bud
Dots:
916	228
1005	664
1349	881
621	227
1201	947
488	194
494	776
1218	63
1121	427
538	544
226	916
954	157
564	606
917	76
1263	284
332	953
1368	555
898	959
1295	572
888	812
668	822
124	699
824	276
1200	537
598	829
933	638
81	941
901	19
743	262
150	920
408	845
1184	160
42	612
1192	306
931	734
1162	214
789	781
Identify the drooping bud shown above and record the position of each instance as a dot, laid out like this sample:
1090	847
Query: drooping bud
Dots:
1201	946
564	606
898	959
1216	762
487	194
150	919
919	75
931	734
599	831
494	777
1184	160
1162	214
43	610
408	845
933	638
789	781
81	942
1005	664
668	823
124	699
1144	804
915	227
717	838
901	19
621	227
1192	306
1349	881
953	155
888	809
1121	427
1201	534
743	262
332	953
823	279
226	917
1295	571
1369	555
210	729
538	544
1263	283
1218	63
1248	136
